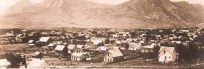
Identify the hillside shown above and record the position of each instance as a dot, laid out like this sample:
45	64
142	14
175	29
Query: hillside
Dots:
82	13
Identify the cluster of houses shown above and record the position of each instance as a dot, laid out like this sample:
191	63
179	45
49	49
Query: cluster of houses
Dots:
113	45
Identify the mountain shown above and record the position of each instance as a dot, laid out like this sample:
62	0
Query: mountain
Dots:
83	13
162	12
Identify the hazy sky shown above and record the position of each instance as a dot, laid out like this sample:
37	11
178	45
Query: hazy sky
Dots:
5	4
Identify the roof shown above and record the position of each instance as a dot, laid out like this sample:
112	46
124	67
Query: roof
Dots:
96	42
44	39
37	53
4	62
78	54
37	63
60	47
31	44
118	42
115	52
102	48
80	46
51	44
167	49
30	41
178	42
149	46
135	44
71	47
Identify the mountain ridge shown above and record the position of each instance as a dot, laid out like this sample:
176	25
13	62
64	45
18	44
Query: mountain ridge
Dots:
82	13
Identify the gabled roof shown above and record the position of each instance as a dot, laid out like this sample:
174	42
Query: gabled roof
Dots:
102	48
115	52
71	46
97	41
80	46
167	49
44	39
37	53
149	46
60	47
30	41
78	54
51	44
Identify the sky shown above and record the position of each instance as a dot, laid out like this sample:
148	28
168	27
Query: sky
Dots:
5	4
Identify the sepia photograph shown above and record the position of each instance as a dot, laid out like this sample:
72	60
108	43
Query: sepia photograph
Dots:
100	34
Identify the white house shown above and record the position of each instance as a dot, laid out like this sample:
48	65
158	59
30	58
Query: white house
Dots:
79	56
167	54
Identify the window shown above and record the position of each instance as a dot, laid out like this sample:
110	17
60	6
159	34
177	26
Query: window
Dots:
164	51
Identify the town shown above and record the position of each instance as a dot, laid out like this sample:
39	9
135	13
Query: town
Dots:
94	47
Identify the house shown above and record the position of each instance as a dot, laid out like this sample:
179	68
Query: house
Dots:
97	41
167	54
177	42
113	55
31	43
51	46
80	46
37	63
79	56
38	55
71	48
148	48
134	46
102	48
184	31
44	41
7	38
61	50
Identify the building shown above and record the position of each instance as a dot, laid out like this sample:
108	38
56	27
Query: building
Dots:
167	54
79	56
148	48
37	54
51	46
134	46
31	43
44	41
61	50
102	48
113	55
71	48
